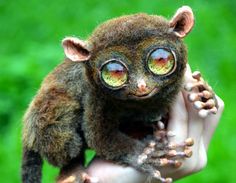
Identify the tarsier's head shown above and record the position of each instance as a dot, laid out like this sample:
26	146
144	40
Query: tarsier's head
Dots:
136	56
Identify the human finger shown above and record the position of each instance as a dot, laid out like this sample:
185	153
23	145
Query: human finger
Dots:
178	120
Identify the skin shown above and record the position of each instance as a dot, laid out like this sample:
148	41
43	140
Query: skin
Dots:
184	122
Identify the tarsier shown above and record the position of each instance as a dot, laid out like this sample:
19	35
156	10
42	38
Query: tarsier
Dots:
112	94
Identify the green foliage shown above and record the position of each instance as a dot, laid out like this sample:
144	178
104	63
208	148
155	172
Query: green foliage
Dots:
31	31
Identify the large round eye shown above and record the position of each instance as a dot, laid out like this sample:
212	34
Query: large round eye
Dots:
114	74
161	61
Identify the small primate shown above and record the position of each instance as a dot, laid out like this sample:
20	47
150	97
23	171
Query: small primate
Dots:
112	94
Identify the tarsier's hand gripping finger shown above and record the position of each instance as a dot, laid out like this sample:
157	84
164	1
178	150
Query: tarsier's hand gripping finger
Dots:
159	152
202	96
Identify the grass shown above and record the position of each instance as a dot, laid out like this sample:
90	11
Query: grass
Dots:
30	35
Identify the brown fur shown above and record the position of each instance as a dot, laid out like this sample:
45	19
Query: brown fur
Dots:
127	29
73	110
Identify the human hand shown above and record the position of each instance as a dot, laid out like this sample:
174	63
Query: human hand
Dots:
188	120
185	121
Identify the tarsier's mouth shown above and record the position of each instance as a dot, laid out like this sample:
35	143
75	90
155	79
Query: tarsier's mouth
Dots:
144	95
140	130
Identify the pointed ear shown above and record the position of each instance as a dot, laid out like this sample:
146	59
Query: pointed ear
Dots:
182	22
76	49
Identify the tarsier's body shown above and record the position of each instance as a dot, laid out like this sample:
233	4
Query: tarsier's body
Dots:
80	105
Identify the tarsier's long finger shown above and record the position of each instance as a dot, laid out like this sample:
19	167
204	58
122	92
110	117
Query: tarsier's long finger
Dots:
161	162
196	75
153	152
186	153
206	107
204	101
197	96
172	152
209	105
161	125
187	143
190	86
147	150
156	144
166	155
157	175
205	112
201	85
161	133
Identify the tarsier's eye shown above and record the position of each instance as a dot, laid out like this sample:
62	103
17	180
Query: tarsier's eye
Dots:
114	74
161	61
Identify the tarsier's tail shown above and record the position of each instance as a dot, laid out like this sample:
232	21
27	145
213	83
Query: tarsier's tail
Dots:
31	170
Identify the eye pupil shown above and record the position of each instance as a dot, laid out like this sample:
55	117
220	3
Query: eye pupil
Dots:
114	74
161	62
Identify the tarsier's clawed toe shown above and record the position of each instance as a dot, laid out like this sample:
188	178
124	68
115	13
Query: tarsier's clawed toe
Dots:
171	155
159	152
202	96
187	143
185	150
157	175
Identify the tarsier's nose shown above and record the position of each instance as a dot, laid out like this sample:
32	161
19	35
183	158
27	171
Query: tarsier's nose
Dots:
142	86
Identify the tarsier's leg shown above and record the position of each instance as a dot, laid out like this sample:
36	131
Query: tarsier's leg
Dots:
204	99
159	152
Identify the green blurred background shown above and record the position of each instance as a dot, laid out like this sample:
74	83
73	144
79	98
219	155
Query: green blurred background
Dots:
30	37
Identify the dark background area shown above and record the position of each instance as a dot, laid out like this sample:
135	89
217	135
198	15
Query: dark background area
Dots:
30	39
